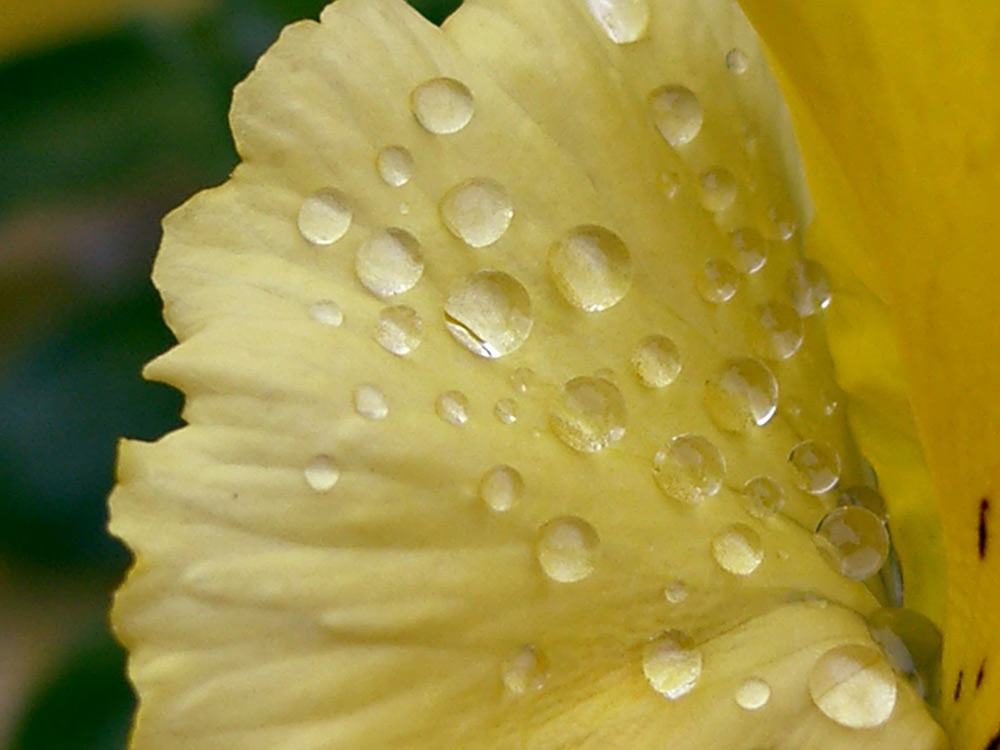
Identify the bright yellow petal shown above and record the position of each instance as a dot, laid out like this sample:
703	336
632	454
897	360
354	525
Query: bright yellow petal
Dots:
900	126
428	494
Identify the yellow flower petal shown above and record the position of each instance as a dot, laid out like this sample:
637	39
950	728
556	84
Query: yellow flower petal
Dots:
898	120
480	353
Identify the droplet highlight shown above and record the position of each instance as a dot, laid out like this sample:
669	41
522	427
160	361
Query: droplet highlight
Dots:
505	410
854	686
677	114
442	105
324	217
394	165
370	402
321	473
389	263
477	211
399	329
591	268
672	664
567	549
743	395
854	541
817	466
624	21
489	313
689	469
589	414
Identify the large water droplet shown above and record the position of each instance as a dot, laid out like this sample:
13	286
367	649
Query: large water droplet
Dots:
817	466
394	165
591	267
567	549
689	468
389	262
912	644
737	61
477	211
718	189
749	248
764	497
321	473
776	332
327	312
743	395
501	488
672	664
677	114
853	685
442	105
853	540
589	414
808	287
752	694
505	410
489	313
738	550
525	671
452	407
324	217
399	329
624	21
656	361
717	281
370	403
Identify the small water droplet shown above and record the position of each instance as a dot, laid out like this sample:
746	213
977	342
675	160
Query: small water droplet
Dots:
676	113
689	468
675	592
404	208
743	395
854	686
672	664
623	21
399	329
394	165
737	61
526	670
489	313
718	189
738	550
477	211
783	222
776	332
656	362
369	402
327	312
389	262
749	248
752	694
853	540
505	410
522	379
718	281
865	497
325	217
591	267
452	407
764	497
817	466
808	287
912	644
589	414
442	105
321	473
567	549
501	488
670	184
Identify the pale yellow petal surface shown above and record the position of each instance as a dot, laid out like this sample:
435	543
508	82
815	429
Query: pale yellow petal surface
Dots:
898	117
371	534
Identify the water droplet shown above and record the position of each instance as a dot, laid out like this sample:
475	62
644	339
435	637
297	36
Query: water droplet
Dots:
776	333
624	21
477	211
718	281
321	473
817	466
753	694
505	410
670	185
369	402
718	189
764	497
853	685
656	361
591	267
325	217
399	329
689	468
749	248
677	114
442	105
737	61
675	592
327	312
452	407
389	262
783	222
912	644
809	287
853	540
567	549
589	414
672	664
744	394
738	550
525	671
522	379
501	488
394	165
489	313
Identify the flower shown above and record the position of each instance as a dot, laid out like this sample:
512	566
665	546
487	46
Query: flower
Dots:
510	411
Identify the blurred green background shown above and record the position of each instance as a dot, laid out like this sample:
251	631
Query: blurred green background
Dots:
111	113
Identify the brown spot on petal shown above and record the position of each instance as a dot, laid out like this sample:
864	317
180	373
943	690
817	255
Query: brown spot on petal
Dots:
984	539
980	674
958	686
